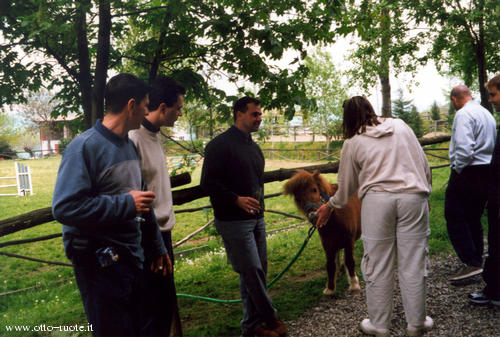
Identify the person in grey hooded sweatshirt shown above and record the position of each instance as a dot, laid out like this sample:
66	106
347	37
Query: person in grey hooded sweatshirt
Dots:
382	159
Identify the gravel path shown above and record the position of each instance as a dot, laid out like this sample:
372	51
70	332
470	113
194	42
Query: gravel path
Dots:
447	304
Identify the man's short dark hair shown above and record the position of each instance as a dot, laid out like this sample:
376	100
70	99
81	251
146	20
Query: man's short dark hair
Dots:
164	90
120	89
241	104
494	82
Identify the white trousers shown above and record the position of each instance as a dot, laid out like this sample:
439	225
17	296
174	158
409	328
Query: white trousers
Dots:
395	227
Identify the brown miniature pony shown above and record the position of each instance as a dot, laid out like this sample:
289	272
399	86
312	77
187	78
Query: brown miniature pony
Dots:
310	190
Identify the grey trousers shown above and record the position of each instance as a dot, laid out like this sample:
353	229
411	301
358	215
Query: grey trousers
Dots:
246	249
395	226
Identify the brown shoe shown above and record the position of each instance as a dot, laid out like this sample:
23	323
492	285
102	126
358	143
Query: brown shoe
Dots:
465	272
261	332
279	327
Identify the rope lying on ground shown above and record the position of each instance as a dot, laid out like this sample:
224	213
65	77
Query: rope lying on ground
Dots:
269	285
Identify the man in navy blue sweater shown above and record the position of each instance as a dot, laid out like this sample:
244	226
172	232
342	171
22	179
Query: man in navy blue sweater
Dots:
106	216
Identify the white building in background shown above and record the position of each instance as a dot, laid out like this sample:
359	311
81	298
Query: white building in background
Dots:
51	133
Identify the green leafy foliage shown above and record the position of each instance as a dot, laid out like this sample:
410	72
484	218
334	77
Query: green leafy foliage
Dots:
464	37
324	85
193	41
405	110
388	43
435	113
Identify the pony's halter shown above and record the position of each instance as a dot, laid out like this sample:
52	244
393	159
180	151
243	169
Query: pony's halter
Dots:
311	216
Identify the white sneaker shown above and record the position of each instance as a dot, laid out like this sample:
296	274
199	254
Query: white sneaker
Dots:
367	327
420	330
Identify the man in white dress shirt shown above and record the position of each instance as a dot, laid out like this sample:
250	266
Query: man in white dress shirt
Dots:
471	148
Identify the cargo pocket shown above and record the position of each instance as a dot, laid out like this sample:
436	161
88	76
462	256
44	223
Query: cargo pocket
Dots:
427	261
366	267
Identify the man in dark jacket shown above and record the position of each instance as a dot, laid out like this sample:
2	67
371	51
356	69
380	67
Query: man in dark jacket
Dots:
491	273
232	176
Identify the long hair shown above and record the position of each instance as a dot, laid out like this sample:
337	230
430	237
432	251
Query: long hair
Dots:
358	113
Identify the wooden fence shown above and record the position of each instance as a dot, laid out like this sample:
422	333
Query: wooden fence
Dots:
44	215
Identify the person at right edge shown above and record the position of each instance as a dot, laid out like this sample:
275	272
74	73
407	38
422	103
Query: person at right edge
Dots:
232	176
471	147
491	273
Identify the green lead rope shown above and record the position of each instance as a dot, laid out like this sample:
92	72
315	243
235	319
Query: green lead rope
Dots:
269	285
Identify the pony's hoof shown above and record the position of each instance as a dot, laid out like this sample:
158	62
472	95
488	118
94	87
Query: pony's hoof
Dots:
328	292
355	292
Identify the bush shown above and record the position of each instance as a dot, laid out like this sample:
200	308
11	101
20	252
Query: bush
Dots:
6	151
63	143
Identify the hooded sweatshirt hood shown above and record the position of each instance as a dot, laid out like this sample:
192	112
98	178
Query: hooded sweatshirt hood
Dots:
385	128
385	158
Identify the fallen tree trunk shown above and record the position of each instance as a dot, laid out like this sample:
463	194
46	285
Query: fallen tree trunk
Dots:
41	216
182	196
434	140
196	192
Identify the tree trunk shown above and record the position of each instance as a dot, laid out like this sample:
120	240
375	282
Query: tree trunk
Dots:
481	65
102	60
385	26
196	192
155	64
84	77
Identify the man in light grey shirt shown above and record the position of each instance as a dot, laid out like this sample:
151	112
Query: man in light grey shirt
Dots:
471	148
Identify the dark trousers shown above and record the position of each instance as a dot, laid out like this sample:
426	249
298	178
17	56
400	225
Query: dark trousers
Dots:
465	200
491	273
161	306
112	298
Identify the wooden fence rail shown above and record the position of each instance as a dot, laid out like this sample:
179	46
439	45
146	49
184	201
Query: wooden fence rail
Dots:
41	216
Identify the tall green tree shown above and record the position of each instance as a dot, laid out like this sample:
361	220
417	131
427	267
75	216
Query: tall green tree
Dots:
8	135
465	38
324	85
435	112
74	44
389	43
401	108
450	116
416	122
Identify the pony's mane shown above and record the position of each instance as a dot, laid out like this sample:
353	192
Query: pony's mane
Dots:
301	180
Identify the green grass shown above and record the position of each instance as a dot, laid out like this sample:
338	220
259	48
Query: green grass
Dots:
56	300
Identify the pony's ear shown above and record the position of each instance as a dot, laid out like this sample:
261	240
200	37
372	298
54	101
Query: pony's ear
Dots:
334	187
323	185
293	185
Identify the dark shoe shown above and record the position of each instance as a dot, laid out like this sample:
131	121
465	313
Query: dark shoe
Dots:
465	272
261	332
278	327
478	298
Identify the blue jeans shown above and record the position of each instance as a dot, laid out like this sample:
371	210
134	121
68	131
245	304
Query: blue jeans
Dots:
245	243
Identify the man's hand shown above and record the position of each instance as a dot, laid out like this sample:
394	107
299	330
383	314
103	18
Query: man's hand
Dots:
142	200
248	204
162	264
323	213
